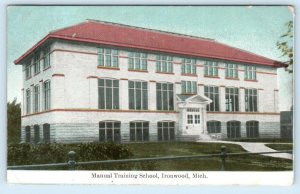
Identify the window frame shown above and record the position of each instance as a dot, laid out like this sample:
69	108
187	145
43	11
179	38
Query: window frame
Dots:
166	127
213	93
108	57
213	126
211	69
251	100
189	66
137	61
47	95
189	87
165	96
252	129
36	97
231	71
230	95
164	64
250	72
140	92
133	131
114	102
46	133
115	129
28	101
233	129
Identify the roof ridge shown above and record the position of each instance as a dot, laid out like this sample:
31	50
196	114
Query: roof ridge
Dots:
150	29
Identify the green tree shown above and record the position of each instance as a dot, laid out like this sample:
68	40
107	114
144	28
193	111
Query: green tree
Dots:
13	121
285	44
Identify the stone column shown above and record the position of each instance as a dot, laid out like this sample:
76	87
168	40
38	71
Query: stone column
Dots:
260	100
242	99
204	116
123	94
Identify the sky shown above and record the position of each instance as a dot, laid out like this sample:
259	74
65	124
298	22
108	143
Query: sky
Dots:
252	28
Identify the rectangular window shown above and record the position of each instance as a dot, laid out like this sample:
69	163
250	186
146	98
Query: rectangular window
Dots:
165	131
212	92
164	64
108	94
108	57
28	101
36	104
139	131
211	68
164	96
138	95
250	72
197	119
46	58
231	70
232	99
250	100
137	61
214	127
190	119
188	87
47	95
110	131
188	66
28	71
36	65
252	129
27	134
46	132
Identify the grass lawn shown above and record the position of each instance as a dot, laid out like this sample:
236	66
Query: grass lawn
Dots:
236	163
280	147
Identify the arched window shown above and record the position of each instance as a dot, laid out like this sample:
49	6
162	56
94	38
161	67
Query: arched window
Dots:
36	129
233	129
139	131
46	132
110	131
213	126
166	130
252	129
27	134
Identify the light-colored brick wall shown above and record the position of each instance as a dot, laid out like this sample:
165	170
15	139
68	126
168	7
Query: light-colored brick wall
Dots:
73	89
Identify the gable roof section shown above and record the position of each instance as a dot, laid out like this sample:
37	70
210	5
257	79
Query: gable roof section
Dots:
153	40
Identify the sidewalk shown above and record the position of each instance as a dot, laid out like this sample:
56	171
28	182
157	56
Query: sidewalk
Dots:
255	147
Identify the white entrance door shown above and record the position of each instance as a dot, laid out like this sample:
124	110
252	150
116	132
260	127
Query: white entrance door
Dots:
193	123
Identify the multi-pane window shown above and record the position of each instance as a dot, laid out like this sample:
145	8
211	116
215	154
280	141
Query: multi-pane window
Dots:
36	138
139	131
233	129
47	95
46	132
188	66
137	61
28	70
212	92
232	99
188	87
46	57
36	97
108	94
108	57
250	72
197	119
164	96
28	101
138	95
190	119
164	64
211	68
27	134
231	70
250	100
213	126
252	129
36	64
110	131
165	131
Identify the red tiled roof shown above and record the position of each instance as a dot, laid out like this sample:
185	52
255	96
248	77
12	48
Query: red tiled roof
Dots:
152	40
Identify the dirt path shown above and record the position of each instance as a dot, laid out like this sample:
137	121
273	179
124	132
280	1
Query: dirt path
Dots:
256	147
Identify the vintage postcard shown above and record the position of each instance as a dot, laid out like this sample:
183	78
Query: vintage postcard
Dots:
171	95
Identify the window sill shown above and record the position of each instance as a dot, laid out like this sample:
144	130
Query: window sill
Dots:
250	80
37	73
208	76
135	70
230	78
110	68
169	73
191	75
47	68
